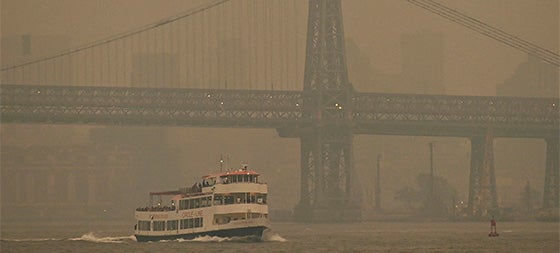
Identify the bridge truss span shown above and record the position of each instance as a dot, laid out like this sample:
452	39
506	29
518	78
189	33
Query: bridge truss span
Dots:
377	113
149	106
371	113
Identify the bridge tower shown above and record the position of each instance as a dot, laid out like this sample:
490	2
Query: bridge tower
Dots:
483	198
326	139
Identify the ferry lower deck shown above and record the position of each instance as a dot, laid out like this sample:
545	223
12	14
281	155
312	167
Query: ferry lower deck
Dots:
256	232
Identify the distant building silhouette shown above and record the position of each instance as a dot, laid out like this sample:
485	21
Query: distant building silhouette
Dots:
532	78
422	67
360	70
63	182
20	48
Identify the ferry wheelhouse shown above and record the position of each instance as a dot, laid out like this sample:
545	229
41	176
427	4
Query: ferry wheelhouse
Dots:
233	203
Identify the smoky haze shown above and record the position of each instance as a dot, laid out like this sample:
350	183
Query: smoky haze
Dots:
384	39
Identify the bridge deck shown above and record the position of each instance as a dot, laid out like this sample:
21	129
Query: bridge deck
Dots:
372	113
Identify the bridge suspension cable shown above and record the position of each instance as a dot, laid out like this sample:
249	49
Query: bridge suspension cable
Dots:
124	35
485	29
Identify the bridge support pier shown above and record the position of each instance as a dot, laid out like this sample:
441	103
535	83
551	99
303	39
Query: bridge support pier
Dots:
326	173
552	174
483	199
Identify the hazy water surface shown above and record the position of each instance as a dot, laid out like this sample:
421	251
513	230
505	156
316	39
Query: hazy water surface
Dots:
294	237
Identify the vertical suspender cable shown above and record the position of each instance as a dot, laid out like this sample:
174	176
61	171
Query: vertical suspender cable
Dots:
173	61
203	50
252	49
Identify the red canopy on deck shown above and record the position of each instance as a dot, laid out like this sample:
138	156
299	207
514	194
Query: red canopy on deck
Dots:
165	193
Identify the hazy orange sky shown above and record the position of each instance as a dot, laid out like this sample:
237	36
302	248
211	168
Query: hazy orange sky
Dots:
474	64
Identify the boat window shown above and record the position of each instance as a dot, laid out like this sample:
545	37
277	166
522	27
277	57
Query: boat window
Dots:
228	199
218	199
172	225
183	204
239	178
261	198
255	215
191	223
197	222
183	224
221	218
144	225
159	225
239	198
236	198
205	201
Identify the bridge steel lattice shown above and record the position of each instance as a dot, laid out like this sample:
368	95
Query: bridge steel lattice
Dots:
324	116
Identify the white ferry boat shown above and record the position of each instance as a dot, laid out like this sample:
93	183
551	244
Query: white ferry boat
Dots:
233	203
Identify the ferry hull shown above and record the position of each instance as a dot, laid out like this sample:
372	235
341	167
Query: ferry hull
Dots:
239	232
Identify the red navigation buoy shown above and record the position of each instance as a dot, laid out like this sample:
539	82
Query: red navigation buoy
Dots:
493	232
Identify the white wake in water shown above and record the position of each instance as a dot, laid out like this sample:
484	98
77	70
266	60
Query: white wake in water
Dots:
207	238
31	239
268	236
91	237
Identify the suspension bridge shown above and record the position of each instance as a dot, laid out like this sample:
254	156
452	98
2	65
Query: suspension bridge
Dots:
215	66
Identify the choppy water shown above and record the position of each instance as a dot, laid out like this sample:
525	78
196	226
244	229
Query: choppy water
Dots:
294	237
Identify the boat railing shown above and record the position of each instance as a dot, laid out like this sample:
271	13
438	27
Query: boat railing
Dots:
156	209
197	188
241	182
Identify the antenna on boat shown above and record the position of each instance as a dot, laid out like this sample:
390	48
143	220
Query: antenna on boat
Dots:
221	162
228	164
